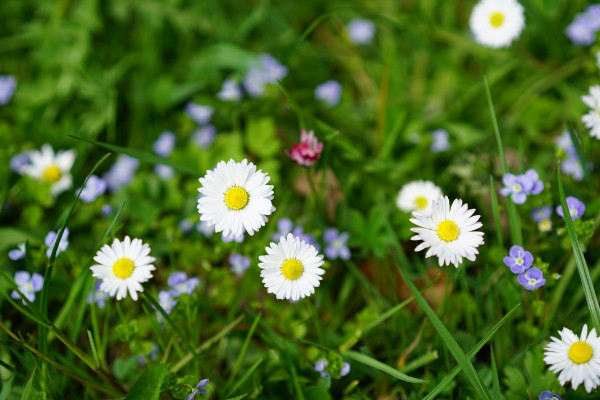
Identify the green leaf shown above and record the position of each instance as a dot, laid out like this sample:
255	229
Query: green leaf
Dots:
317	393
93	346
169	382
240	397
584	273
27	391
147	387
496	212
6	388
373	363
11	237
261	138
495	381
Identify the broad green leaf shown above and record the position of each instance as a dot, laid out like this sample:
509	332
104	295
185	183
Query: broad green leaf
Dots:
147	387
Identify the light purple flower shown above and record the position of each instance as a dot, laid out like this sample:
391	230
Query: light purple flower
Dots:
261	72
204	136
542	216
322	364
186	225
94	188
231	238
584	26
200	114
361	31
284	226
106	210
51	239
121	172
165	144
18	161
180	283
440	141
308	238
166	301
572	166
329	92
548	395
565	143
28	285
8	85
521	186
518	260
575	206
238	263
205	228
198	389
336	244
18	253
98	296
230	91
165	172
533	278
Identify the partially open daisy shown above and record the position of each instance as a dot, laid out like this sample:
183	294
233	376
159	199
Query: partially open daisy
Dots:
123	266
496	23
53	169
235	197
576	358
450	232
291	269
418	196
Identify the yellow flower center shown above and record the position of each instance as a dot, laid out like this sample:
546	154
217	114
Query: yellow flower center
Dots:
420	202
545	225
497	19
123	268
580	352
52	174
236	198
447	230
292	269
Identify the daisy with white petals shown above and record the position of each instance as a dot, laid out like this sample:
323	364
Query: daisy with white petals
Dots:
123	266
235	198
450	233
54	169
577	359
418	196
496	23
592	118
291	269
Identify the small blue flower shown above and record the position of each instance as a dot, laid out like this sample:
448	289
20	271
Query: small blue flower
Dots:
230	238
205	228
308	238
518	260
98	296
106	210
521	186
18	161
8	85
542	216
18	253
321	365
336	244
200	114
180	283
575	206
198	389
204	136
440	141
165	172
166	301
51	239
548	395
28	285
261	72
94	188
532	279
361	31
585	25
186	225
329	92
230	91
165	144
238	263
284	226
121	172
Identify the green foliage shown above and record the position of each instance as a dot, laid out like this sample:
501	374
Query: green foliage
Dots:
148	385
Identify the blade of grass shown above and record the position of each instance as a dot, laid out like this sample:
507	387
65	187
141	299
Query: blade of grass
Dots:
456	370
495	382
513	216
242	354
373	363
93	346
496	213
578	150
584	273
27	391
447	338
6	388
245	377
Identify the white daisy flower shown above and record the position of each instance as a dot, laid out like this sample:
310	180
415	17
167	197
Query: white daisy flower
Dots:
54	169
496	23
291	269
123	266
235	197
449	233
592	119
418	196
576	358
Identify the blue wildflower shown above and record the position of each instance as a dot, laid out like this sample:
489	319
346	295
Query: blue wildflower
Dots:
284	226
18	161
106	210
204	136
575	206
321	366
518	260
98	296
361	31
186	225
231	238
440	141
180	283
542	216
166	301
238	263
548	395
8	85
51	239
198	389
521	186
18	253
121	172
230	91
165	144
263	71
308	238
585	25
200	114
329	92
165	172
94	188
532	279
336	244
28	285
205	228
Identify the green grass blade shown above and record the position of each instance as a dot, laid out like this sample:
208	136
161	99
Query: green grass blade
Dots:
27	391
495	381
373	363
449	341
578	150
496	213
242	354
93	346
240	397
584	273
141	156
6	388
245	377
513	216
456	370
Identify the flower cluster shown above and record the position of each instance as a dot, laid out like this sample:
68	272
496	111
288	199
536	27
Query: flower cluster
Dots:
321	367
519	261
518	187
585	25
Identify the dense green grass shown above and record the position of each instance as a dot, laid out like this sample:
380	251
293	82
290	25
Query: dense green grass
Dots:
109	77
